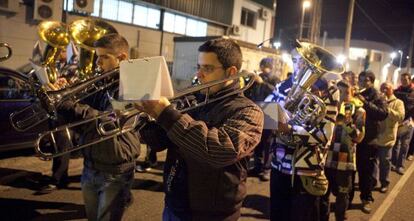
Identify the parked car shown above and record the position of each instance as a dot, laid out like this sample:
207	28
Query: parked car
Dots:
15	94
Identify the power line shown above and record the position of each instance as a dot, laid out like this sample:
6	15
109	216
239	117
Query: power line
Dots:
374	23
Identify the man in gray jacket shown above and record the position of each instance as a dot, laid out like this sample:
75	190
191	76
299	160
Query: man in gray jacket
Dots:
388	135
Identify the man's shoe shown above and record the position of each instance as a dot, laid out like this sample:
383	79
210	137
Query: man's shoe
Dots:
46	189
393	168
400	170
410	158
384	189
366	206
145	167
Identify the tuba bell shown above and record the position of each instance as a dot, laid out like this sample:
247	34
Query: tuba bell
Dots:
9	51
84	33
55	35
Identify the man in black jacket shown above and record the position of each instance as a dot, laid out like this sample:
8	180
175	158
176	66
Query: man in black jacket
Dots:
207	159
376	111
108	171
263	86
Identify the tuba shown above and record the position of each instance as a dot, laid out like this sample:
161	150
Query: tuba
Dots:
84	33
56	36
9	51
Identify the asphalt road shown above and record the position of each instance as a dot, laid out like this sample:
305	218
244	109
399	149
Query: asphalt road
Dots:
19	177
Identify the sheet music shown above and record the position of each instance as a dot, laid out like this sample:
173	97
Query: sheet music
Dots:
144	79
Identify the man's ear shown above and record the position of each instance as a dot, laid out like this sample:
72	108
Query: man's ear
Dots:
123	56
231	71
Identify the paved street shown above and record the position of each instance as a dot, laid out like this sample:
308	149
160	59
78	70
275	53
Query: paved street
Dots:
19	177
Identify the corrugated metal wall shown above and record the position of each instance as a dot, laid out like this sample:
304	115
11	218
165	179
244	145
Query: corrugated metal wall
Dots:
216	10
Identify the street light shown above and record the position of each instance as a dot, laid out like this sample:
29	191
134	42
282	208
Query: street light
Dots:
306	4
401	54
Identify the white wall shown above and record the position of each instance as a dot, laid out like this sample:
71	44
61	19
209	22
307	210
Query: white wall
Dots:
263	27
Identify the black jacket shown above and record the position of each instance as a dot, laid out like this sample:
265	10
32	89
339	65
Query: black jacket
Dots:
258	92
207	160
405	94
115	155
376	111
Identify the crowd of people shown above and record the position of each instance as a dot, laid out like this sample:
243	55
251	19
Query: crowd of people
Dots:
365	132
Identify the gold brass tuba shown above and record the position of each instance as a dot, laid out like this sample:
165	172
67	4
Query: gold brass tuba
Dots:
9	51
56	36
84	33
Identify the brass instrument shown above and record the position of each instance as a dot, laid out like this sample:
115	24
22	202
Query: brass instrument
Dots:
33	115
9	51
56	36
84	33
304	108
111	124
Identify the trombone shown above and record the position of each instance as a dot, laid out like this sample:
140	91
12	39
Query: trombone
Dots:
110	124
36	113
9	51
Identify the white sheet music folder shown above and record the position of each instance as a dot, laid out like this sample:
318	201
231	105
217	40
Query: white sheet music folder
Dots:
273	113
144	79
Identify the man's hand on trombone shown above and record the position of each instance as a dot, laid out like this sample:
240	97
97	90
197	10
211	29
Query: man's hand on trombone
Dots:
153	107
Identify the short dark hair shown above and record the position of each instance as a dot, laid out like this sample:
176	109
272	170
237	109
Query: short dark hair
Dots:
228	51
266	62
113	42
406	74
368	74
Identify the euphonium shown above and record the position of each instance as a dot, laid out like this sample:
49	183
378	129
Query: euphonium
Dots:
307	109
9	51
56	36
84	33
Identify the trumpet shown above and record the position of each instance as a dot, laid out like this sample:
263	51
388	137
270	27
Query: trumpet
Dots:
9	51
112	123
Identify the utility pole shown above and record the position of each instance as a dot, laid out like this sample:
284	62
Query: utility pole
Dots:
410	51
316	21
347	40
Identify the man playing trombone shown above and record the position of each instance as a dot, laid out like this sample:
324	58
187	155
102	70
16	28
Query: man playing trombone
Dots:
207	159
108	171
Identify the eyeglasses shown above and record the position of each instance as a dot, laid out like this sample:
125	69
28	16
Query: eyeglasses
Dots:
207	68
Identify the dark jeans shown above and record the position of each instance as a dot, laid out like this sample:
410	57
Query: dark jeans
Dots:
411	148
400	149
60	167
106	195
340	184
151	156
262	153
289	203
365	160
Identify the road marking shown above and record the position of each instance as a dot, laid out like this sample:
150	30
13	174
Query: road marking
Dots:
380	212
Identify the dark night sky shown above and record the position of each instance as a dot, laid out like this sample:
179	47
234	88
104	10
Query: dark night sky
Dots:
394	17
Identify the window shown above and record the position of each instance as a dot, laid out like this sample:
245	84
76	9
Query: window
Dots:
185	26
147	17
248	18
110	9
132	13
125	12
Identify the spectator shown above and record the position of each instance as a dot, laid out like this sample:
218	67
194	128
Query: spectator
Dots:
388	135
376	110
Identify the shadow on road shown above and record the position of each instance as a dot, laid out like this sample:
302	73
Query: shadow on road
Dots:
146	184
259	203
19	209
